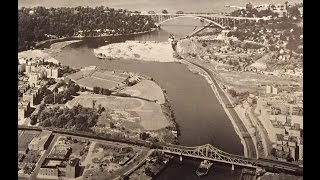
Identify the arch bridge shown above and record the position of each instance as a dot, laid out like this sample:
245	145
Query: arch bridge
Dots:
218	20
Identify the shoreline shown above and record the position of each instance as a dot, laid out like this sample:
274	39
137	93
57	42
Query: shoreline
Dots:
71	38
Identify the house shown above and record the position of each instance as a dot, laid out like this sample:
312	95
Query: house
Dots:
41	142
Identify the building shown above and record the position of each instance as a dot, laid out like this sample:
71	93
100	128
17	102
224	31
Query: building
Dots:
280	9
28	69
21	68
33	78
268	89
55	73
23	109
41	142
31	95
23	88
274	90
297	120
72	168
51	172
52	72
301	150
60	152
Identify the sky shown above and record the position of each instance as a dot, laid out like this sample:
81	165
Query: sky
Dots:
155	5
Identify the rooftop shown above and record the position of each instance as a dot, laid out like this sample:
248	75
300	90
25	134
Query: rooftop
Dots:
41	138
74	162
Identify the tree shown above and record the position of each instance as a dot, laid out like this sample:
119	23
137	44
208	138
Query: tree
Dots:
48	99
94	103
96	90
106	92
232	92
144	136
112	125
164	11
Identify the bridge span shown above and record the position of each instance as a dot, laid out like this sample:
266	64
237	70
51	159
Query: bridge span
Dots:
209	152
220	20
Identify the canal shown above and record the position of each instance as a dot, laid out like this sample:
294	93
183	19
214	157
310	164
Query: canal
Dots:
200	117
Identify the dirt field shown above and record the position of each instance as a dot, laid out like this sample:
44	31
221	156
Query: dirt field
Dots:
151	116
146	89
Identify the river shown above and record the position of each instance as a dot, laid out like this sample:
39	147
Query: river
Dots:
200	117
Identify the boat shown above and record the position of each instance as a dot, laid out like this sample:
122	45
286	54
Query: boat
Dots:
203	168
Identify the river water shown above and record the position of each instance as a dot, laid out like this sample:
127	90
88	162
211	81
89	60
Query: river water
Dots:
200	117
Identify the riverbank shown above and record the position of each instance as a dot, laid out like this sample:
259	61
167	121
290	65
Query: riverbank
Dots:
144	51
46	54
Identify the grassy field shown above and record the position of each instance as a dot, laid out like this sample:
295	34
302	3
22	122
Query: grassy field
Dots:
146	89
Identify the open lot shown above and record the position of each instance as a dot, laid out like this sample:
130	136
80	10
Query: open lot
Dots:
150	113
25	138
108	161
146	89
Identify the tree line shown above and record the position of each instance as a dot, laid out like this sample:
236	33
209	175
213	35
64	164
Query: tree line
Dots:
77	118
39	23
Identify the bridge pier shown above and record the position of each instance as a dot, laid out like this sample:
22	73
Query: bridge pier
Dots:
232	167
180	158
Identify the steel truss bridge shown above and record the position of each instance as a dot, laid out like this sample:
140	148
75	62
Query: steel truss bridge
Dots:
209	152
219	20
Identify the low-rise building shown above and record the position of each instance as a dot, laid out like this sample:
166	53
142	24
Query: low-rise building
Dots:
41	142
49	172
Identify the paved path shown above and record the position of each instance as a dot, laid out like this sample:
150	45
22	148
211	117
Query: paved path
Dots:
45	154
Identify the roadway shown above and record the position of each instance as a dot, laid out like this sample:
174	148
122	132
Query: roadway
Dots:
42	158
205	15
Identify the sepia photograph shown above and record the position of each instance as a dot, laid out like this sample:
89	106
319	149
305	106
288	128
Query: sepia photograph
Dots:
160	89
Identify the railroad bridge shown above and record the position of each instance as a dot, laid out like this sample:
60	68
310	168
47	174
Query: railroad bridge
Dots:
209	152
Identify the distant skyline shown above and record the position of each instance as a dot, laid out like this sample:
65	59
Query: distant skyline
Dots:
156	5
